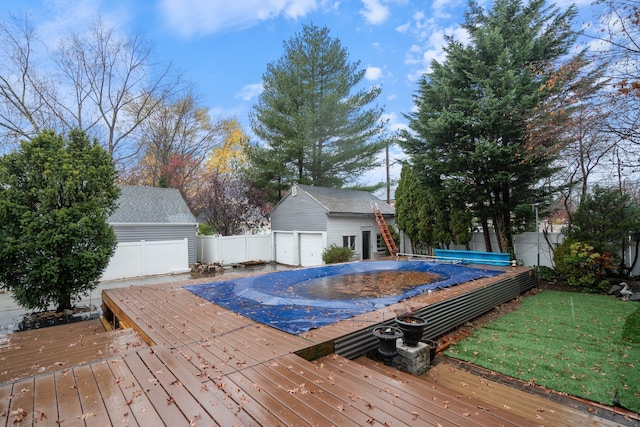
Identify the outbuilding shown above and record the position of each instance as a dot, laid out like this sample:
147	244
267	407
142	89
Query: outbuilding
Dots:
156	233
309	219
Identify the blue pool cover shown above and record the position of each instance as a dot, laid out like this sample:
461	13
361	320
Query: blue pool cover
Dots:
279	299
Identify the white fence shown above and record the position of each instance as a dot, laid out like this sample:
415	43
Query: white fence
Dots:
138	259
148	258
286	248
527	246
234	249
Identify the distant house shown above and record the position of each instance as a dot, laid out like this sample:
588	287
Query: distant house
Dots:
156	233
309	219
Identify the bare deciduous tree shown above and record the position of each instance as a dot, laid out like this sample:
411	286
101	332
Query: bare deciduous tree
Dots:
229	204
27	96
97	80
176	138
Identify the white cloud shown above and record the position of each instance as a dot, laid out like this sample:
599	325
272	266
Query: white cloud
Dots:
431	38
444	8
56	20
373	73
403	28
394	122
189	17
250	91
374	11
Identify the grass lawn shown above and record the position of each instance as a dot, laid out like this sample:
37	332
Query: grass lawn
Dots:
581	344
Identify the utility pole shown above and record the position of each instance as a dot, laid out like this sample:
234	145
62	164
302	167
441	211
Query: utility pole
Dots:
536	207
388	176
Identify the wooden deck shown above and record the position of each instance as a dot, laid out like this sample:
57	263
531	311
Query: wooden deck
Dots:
208	366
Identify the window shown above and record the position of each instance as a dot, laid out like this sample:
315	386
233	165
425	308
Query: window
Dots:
349	242
380	243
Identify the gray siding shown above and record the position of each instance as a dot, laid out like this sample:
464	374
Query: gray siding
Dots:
157	232
299	212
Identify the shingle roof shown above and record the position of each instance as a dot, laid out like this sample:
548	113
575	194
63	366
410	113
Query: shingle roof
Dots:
151	205
346	201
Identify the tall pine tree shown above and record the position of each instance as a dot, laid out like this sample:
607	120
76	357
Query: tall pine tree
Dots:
473	132
314	117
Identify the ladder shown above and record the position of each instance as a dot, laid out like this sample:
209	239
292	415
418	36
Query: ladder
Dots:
384	230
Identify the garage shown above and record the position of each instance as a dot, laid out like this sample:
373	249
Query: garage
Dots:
285	253
311	248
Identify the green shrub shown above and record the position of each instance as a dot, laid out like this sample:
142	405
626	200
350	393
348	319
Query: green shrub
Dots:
582	266
334	254
549	274
205	229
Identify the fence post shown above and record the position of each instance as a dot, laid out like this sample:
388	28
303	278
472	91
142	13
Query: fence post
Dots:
186	251
143	258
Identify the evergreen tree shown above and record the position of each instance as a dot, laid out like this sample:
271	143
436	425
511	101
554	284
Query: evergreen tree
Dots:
55	198
605	218
410	197
312	118
474	130
428	216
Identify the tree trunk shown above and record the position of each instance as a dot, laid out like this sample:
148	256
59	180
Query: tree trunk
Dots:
504	234
487	236
64	303
635	258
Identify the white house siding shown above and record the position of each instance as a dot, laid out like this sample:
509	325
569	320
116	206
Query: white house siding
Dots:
158	232
300	212
339	226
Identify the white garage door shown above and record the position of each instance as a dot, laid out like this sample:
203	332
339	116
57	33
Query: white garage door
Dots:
284	248
310	249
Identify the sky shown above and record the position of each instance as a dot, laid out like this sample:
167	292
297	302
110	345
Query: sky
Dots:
224	46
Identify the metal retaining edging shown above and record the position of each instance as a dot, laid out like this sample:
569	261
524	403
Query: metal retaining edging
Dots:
447	315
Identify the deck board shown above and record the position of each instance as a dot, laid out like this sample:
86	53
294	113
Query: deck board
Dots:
415	390
221	408
301	382
21	409
45	409
43	350
269	397
140	407
542	410
93	410
368	391
113	398
293	392
209	366
69	408
6	391
158	397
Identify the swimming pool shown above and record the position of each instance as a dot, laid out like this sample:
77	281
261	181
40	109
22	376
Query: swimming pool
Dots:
298	300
